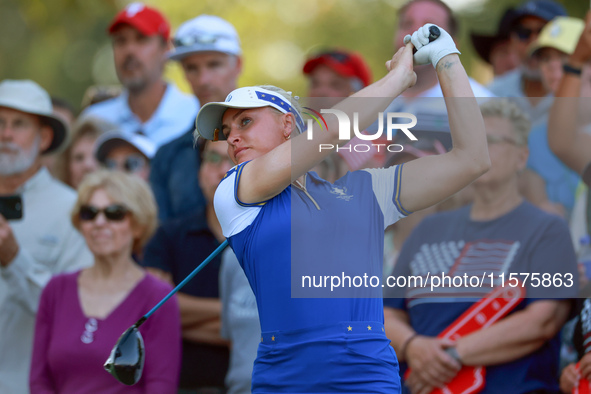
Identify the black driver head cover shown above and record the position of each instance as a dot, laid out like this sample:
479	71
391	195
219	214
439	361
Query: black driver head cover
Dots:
126	361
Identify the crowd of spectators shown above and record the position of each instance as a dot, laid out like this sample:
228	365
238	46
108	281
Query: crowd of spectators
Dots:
77	269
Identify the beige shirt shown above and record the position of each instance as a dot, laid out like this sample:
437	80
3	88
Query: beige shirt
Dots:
49	244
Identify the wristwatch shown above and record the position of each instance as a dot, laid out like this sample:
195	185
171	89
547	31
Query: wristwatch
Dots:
453	352
568	69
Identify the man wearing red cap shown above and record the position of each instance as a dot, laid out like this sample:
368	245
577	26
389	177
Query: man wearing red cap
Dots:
148	105
336	73
333	75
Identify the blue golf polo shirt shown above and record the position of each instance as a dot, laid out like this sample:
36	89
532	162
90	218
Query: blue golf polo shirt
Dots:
322	229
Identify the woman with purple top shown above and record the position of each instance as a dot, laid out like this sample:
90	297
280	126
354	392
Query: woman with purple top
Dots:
82	314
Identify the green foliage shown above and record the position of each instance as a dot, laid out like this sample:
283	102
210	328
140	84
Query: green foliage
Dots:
63	45
53	42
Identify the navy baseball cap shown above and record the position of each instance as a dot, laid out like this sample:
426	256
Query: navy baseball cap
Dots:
544	9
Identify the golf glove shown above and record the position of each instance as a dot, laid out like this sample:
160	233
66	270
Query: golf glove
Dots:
430	51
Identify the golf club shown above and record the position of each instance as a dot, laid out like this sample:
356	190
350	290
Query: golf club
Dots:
126	361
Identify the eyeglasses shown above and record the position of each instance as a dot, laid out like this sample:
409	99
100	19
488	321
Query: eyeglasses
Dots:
114	212
494	139
215	158
524	33
132	163
199	38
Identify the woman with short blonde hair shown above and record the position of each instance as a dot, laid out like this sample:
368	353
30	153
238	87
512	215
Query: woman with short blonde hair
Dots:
131	191
82	314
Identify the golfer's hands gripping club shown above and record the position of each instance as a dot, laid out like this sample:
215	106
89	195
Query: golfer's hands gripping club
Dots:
401	64
430	48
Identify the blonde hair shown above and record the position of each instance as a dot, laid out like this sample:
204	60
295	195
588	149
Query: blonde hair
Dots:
506	109
126	189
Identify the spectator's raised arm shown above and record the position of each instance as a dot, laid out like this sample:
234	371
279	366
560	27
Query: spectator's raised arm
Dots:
566	139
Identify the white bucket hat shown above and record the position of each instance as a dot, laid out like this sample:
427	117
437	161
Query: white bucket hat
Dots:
209	118
205	33
27	96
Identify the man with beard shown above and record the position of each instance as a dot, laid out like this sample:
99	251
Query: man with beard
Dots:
43	242
148	104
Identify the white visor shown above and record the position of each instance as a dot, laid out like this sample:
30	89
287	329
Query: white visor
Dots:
209	118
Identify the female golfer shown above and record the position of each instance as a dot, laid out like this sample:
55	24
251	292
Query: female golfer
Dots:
277	215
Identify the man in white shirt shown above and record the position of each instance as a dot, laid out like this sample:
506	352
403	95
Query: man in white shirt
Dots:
148	104
43	242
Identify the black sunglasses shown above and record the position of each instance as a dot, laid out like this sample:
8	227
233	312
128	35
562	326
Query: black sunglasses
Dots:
524	33
112	212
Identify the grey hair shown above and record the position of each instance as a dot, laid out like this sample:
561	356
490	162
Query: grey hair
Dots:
506	109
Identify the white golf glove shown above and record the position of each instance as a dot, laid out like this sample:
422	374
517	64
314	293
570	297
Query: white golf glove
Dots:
430	52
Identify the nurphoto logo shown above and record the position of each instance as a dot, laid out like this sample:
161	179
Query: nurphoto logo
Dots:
392	124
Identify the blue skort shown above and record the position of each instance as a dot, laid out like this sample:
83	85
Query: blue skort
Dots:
347	357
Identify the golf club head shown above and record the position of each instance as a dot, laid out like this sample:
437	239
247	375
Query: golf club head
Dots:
126	361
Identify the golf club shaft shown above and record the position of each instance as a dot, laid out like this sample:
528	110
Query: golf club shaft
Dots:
184	282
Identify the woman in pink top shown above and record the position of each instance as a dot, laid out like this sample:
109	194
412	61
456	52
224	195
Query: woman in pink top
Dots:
82	314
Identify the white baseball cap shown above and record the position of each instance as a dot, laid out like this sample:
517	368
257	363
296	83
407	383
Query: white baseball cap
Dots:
205	33
209	118
110	140
27	96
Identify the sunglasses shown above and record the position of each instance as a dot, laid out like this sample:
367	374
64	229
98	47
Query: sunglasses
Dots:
525	33
199	38
114	212
132	163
